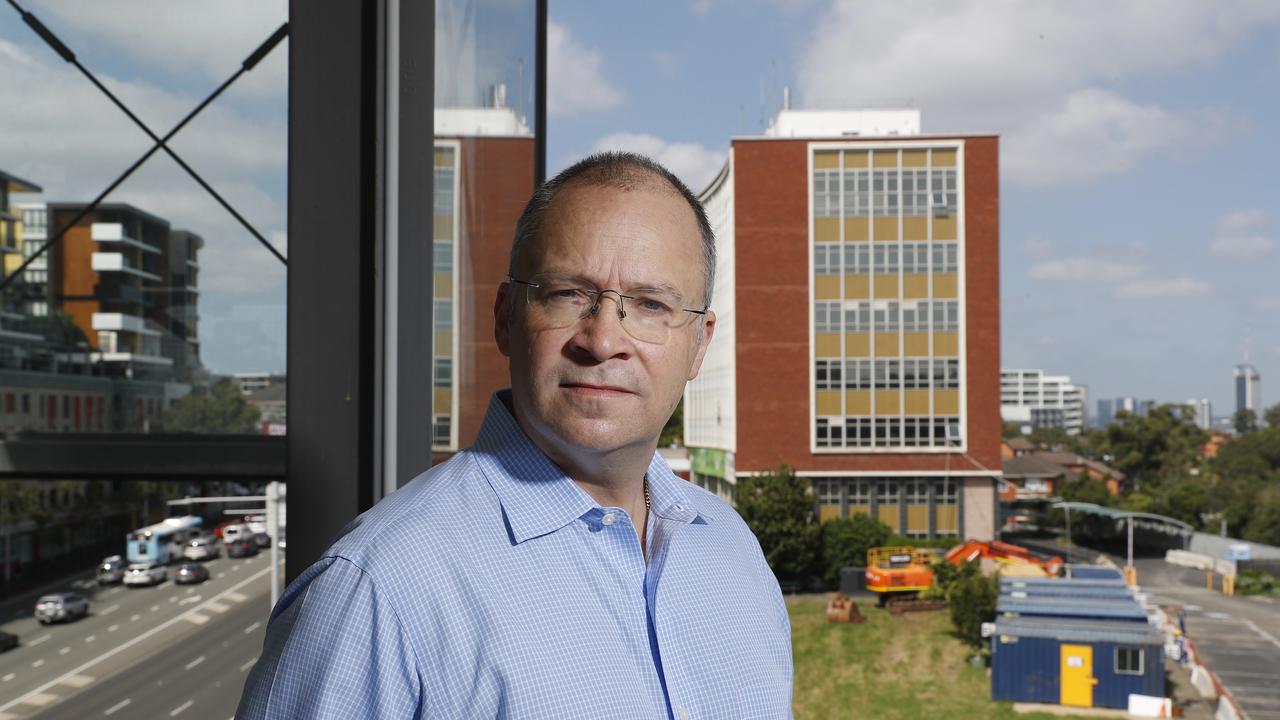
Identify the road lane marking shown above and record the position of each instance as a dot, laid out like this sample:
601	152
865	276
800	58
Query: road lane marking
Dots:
154	608
218	607
37	663
173	598
180	708
40	699
196	618
113	628
236	596
1262	633
77	681
248	665
39	640
110	610
118	706
91	638
195	662
252	627
221	575
190	600
64	651
133	641
8	677
235	567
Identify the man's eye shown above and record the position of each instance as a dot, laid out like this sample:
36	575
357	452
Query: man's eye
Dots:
565	294
652	305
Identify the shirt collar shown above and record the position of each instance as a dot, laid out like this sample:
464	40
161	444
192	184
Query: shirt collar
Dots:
536	496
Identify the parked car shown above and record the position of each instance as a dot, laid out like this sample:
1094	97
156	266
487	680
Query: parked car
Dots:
202	548
242	548
111	570
8	641
262	540
61	607
145	574
190	574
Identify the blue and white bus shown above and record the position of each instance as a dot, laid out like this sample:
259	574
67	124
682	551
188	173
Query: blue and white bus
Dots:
162	542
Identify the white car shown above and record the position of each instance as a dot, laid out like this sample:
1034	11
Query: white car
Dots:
145	574
202	548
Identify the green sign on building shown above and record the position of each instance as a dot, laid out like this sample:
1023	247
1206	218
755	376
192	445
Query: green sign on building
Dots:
707	461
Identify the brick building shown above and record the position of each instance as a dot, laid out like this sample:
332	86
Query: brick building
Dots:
858	336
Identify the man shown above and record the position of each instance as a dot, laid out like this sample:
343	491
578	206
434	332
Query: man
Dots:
557	568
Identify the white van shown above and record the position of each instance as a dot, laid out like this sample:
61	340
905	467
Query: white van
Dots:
231	533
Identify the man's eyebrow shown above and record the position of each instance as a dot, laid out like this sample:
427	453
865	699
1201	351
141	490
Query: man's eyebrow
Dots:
659	285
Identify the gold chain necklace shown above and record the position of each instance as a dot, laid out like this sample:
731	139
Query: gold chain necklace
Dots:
647	502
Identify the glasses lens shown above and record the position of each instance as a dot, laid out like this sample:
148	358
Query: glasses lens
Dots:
647	315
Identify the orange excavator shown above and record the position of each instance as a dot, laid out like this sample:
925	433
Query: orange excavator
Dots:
902	572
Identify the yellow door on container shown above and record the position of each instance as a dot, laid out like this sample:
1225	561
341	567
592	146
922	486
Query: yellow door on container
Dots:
1077	675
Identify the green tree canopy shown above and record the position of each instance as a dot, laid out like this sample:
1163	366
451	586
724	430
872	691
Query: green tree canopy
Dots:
218	409
778	508
1245	421
845	542
1272	416
1150	448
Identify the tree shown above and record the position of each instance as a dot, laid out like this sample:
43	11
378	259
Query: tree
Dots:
673	431
219	409
1272	415
1245	421
845	542
778	508
19	501
1011	430
971	600
1148	448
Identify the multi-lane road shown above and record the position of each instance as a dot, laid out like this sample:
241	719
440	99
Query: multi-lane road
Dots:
164	651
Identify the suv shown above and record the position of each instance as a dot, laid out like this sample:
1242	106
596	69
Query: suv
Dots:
61	606
202	548
244	547
111	570
145	574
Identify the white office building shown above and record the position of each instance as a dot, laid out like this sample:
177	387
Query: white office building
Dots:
1034	400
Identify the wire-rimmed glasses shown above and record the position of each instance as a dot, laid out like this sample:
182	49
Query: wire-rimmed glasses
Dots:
647	314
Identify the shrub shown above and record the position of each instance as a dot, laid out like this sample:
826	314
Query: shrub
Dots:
1256	582
972	601
845	542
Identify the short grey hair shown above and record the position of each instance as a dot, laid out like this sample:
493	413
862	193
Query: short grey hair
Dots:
622	171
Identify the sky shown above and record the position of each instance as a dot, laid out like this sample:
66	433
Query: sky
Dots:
1140	223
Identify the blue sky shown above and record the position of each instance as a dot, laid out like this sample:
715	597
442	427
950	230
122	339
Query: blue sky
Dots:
1140	221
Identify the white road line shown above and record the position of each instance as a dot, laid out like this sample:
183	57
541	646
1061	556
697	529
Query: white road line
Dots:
64	651
113	628
236	596
37	663
173	598
181	707
39	699
134	618
252	627
196	618
118	706
110	610
91	638
248	665
190	600
134	641
8	677
235	567
78	681
39	640
154	608
1263	633
218	607
195	662
221	575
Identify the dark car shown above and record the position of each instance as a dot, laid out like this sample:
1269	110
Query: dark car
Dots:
262	540
245	547
190	574
8	641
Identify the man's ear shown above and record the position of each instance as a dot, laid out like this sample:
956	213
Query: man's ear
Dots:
502	319
704	336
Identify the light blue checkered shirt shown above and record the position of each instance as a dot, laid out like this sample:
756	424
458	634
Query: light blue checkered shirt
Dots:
492	586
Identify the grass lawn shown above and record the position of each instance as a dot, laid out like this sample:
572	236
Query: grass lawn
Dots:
889	668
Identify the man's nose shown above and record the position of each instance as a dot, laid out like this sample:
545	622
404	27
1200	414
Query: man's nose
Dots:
600	332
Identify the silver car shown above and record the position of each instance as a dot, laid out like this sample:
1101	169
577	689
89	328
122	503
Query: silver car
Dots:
202	548
111	570
145	574
61	607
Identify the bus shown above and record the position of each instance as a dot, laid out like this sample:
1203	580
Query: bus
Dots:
162	542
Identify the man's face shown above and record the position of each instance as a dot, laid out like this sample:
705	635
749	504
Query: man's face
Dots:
591	386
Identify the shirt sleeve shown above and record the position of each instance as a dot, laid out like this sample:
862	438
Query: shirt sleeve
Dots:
334	649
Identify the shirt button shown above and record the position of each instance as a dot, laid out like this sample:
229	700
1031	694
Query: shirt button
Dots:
608	519
684	714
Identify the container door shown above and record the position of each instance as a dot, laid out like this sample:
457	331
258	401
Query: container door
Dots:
1077	675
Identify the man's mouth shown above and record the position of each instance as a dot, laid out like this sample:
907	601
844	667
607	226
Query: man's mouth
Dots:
595	390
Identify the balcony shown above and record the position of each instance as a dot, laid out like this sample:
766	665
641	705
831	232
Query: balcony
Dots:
122	322
114	233
115	262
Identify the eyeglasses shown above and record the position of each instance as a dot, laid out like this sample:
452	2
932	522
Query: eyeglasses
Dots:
647	314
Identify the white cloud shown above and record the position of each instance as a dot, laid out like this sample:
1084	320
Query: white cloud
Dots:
1043	74
1267	303
1170	289
695	164
702	7
1242	236
1084	270
575	80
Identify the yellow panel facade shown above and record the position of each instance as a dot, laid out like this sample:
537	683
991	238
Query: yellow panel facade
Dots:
915	228
828	512
946	402
915	158
946	344
885	228
826	345
888	402
915	344
885	159
859	509
944	158
855	159
443	343
443	229
444	157
889	516
441	400
886	287
917	518
857	229
915	286
944	228
826	229
857	286
826	287
857	402
826	160
915	402
944	285
946	520
886	344
827	402
857	344
443	285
